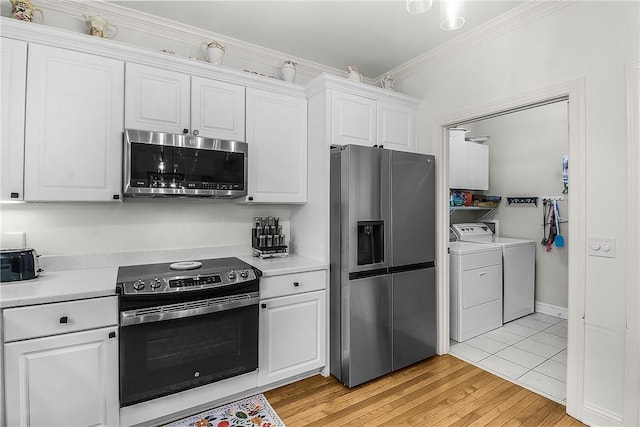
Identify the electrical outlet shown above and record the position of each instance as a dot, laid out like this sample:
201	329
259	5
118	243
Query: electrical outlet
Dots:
601	246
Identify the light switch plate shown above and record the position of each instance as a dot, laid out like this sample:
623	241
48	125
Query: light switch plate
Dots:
602	246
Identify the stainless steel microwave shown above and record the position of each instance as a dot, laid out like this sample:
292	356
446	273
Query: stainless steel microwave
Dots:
160	164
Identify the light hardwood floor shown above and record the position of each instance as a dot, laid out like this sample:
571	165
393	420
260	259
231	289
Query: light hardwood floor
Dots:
441	391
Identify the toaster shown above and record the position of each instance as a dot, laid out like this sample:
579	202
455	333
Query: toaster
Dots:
18	264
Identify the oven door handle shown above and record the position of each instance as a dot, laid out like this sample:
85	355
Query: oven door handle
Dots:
187	309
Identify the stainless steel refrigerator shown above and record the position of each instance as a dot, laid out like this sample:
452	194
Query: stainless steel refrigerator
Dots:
382	253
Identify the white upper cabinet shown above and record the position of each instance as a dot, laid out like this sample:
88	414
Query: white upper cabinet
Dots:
169	101
13	59
353	120
217	109
277	138
73	126
396	126
156	99
468	165
361	114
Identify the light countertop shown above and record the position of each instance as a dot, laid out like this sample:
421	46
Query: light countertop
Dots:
59	286
72	284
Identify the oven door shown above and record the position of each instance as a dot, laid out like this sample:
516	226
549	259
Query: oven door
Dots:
161	354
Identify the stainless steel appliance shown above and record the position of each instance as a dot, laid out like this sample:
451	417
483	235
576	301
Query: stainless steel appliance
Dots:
19	264
383	301
185	324
164	164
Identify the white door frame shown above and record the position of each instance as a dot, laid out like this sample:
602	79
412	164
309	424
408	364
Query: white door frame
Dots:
632	338
575	91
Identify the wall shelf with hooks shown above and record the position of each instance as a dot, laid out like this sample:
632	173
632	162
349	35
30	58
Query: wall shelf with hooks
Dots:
522	201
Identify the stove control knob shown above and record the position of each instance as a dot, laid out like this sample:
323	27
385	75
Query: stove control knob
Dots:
244	274
138	285
155	284
232	275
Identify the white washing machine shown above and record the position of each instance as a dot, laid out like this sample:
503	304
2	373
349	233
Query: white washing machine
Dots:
476	289
518	267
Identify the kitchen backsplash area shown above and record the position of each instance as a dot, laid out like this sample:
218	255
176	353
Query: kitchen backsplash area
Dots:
135	225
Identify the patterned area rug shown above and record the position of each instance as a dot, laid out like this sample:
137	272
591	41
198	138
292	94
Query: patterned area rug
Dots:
253	411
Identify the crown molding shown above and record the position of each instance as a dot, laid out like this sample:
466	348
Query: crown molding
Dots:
157	26
328	81
73	40
505	23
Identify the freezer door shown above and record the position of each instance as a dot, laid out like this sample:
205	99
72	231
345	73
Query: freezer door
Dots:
414	316
412	208
366	329
364	208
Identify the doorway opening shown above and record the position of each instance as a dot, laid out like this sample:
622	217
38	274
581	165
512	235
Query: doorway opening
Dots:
575	213
525	149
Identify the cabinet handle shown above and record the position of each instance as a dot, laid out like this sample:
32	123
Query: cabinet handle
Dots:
250	198
296	284
64	319
185	130
484	273
263	305
116	197
15	195
196	132
112	334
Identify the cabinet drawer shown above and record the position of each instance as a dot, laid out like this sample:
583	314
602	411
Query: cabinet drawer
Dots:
290	284
59	318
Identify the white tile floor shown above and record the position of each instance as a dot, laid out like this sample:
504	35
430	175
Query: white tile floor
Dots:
530	351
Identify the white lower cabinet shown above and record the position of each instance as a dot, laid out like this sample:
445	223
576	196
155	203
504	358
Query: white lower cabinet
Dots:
70	379
292	334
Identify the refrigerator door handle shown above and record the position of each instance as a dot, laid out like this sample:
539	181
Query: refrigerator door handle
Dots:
368	273
410	267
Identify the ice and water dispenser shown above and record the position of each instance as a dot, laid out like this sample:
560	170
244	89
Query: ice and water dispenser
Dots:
370	242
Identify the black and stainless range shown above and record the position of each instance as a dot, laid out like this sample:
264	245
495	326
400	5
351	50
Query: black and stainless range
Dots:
185	324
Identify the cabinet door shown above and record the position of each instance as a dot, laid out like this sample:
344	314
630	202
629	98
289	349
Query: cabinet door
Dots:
277	138
13	59
458	167
217	109
396	126
64	380
478	161
292	336
353	120
73	132
156	99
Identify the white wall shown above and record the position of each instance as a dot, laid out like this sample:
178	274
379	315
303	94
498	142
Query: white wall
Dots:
525	153
593	40
135	225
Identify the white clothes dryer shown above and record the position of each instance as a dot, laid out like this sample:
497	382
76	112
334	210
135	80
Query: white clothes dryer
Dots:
475	289
518	267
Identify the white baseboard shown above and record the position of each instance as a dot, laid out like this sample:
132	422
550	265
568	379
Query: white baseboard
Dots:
595	416
552	310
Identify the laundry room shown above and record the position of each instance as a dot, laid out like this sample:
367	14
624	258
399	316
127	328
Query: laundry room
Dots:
521	207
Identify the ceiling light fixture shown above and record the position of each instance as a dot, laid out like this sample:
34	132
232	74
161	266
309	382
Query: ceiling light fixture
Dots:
451	14
418	6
